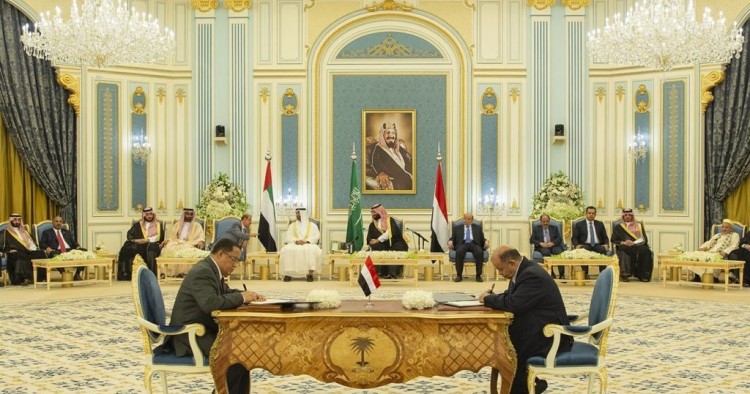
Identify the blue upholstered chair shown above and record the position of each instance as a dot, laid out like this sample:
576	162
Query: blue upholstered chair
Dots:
560	224
469	258
222	225
737	227
3	258
39	229
587	355
151	316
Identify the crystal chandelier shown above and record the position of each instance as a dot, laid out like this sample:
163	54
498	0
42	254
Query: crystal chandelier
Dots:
141	149
638	147
99	35
662	34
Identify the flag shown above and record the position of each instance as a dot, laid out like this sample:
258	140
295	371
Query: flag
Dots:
368	277
440	227
267	224
354	234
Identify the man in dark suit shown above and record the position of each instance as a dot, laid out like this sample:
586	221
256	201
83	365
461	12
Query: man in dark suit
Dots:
632	248
203	291
384	234
468	237
591	235
547	240
59	240
535	301
742	254
144	238
17	244
240	233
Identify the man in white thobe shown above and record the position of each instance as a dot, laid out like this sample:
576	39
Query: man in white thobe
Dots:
301	256
186	234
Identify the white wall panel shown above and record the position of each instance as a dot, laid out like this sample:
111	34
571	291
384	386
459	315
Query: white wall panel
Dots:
289	32
490	32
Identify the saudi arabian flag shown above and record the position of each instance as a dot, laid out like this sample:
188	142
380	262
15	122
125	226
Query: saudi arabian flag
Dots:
354	233
267	224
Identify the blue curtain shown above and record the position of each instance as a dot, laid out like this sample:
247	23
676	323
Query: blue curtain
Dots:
727	128
37	116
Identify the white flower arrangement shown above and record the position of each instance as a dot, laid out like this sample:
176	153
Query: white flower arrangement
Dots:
699	256
678	248
383	254
580	254
75	254
220	198
326	299
418	299
187	253
559	197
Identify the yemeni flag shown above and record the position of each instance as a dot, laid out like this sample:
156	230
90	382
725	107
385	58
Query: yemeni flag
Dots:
267	224
354	233
440	228
368	277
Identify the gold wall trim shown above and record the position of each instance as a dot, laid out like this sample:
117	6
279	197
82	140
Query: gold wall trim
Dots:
642	106
514	94
138	109
310	5
204	5
488	108
540	5
472	6
180	95
160	94
264	93
575	4
620	93
389	5
72	85
708	82
289	109
238	5
600	94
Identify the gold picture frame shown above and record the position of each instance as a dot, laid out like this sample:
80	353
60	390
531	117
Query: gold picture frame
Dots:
389	151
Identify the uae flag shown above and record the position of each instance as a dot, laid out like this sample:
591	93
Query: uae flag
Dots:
368	277
440	228
354	234
267	224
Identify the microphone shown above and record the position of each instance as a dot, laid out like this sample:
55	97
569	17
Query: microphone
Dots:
418	235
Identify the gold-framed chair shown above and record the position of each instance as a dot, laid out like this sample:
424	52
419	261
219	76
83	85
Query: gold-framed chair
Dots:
152	319
586	356
737	227
560	224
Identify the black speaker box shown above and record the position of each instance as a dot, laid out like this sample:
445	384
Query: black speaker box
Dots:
220	131
559	130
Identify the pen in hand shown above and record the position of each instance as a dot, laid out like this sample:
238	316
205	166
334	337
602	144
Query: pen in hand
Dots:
245	286
492	288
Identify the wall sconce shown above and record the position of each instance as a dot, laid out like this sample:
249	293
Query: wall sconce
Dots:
638	147
288	206
489	205
141	149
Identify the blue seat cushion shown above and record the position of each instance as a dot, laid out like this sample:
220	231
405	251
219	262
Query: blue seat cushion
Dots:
469	258
165	356
581	354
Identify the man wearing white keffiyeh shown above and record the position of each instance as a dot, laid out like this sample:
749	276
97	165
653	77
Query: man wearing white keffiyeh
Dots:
144	238
301	255
16	242
186	234
723	243
390	163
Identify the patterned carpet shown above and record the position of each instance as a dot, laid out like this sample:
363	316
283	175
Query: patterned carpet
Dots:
92	345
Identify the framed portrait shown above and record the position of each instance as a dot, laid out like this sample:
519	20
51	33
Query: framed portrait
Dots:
389	146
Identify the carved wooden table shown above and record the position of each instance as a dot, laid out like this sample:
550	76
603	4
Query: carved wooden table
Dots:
572	263
725	265
355	264
361	347
49	264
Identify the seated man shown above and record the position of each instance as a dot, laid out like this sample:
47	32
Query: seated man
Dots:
301	256
204	291
632	248
742	253
547	240
468	237
144	238
723	243
20	249
384	234
59	240
591	235
240	233
186	234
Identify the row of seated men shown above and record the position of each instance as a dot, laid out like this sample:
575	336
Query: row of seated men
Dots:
20	248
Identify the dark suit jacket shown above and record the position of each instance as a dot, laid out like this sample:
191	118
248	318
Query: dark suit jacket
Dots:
581	233
537	235
202	292
49	239
457	236
235	233
535	301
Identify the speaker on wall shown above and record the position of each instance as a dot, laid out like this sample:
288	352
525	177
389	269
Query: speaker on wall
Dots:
220	131
559	130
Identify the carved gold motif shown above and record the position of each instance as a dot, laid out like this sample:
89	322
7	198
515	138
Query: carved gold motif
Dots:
599	204
672	160
238	5
162	208
472	6
540	4
515	93
204	5
264	93
180	95
641	106
180	205
311	5
619	203
489	109
600	93
108	140
139	108
289	108
139	208
620	92
160	94
708	81
575	4
73	85
389	5
642	208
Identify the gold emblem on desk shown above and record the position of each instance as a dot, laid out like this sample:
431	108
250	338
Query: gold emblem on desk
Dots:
363	355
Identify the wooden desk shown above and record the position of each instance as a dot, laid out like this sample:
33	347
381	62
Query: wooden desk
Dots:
355	264
163	262
725	265
50	264
365	348
551	262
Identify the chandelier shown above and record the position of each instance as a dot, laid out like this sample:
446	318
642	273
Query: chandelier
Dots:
141	149
638	147
662	34
100	34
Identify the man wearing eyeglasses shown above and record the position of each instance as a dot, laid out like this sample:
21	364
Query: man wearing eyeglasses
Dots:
631	243
203	291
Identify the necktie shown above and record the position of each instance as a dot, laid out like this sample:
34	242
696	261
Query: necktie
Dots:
546	235
467	235
60	242
511	285
591	232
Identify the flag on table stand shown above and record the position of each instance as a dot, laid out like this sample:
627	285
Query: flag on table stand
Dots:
354	233
368	277
440	228
267	224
